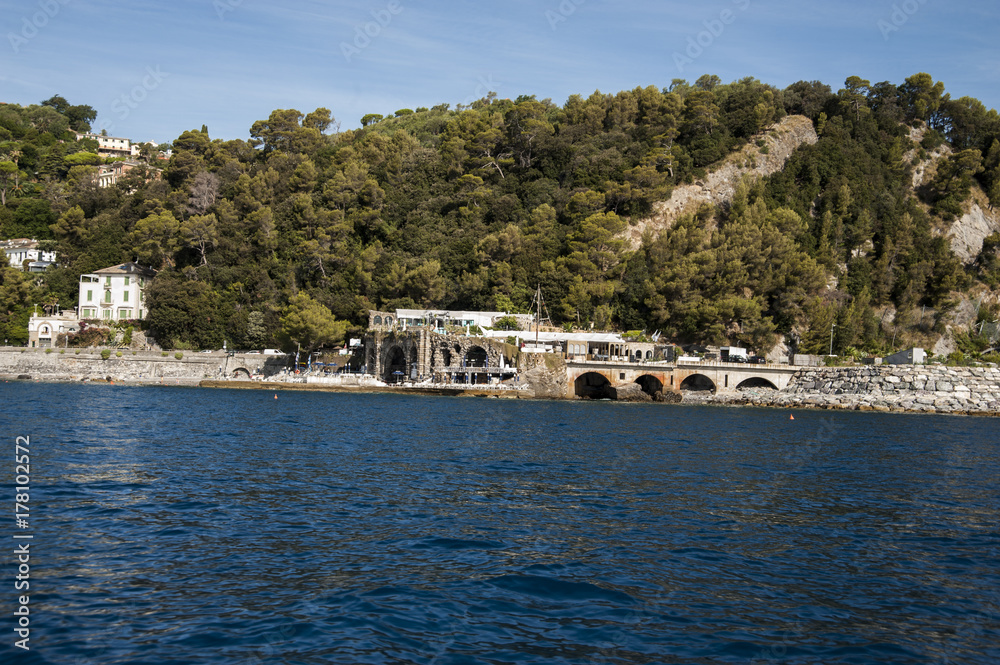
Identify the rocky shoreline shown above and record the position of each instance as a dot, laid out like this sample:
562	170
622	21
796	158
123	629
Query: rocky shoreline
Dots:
906	388
901	388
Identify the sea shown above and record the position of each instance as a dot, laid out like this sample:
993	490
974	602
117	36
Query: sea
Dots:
173	525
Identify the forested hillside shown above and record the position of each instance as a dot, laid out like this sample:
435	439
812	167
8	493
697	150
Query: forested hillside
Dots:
472	208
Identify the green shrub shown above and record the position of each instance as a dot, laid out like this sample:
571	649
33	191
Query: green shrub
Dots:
61	351
164	354
105	354
48	350
506	323
77	352
119	354
178	355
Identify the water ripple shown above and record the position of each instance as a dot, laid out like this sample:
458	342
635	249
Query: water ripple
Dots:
221	527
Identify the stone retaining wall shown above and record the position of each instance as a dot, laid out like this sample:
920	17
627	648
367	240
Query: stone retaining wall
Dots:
917	388
145	366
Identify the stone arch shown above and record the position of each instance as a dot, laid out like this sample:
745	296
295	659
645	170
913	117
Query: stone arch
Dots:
444	356
649	355
476	356
757	382
388	320
650	384
241	373
395	361
591	385
698	383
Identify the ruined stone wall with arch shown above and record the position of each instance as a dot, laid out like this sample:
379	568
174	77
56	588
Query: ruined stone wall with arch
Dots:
381	320
433	355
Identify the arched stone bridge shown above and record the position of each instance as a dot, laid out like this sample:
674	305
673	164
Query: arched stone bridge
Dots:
589	379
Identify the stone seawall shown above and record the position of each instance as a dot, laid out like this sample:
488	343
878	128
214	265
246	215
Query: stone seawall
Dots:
143	366
914	388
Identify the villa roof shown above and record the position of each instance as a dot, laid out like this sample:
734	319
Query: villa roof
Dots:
130	268
19	243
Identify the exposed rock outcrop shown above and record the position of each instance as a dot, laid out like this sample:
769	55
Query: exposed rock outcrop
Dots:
628	393
546	375
780	141
968	232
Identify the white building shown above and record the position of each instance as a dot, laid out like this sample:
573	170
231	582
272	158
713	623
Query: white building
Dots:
110	146
23	249
115	293
441	319
44	331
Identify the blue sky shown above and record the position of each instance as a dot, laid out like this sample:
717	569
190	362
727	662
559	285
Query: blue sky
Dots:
153	69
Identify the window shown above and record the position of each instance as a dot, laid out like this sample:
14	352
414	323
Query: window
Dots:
124	314
125	295
107	280
90	295
126	283
107	296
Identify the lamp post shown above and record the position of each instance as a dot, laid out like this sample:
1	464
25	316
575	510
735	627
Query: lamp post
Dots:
832	326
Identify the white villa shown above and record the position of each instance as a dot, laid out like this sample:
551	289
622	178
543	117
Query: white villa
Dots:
111	146
24	249
115	293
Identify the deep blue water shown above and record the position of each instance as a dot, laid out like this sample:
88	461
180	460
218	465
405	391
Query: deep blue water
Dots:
176	525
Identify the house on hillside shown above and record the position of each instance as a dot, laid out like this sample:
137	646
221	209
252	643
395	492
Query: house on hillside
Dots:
24	249
110	146
109	174
115	293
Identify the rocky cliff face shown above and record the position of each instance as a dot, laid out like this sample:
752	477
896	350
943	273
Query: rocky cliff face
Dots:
780	141
545	375
967	233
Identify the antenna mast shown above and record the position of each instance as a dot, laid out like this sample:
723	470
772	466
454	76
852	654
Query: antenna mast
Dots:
539	304
538	315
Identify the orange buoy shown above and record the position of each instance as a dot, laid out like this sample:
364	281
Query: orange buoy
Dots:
791	417
275	395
